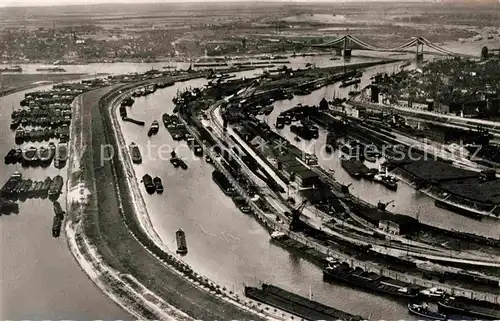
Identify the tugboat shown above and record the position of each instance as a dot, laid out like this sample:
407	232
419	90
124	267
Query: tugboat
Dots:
180	236
136	153
422	310
153	130
387	180
158	185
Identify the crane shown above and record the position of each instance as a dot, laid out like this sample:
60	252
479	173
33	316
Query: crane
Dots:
382	206
295	215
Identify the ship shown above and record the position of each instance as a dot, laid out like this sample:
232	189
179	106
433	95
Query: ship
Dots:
148	184
56	226
462	210
153	130
222	182
358	277
61	155
11	69
135	153
55	187
468	307
180	237
242	204
422	310
8	206
53	69
158	185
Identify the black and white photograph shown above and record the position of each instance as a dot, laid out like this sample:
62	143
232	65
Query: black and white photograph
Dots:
280	160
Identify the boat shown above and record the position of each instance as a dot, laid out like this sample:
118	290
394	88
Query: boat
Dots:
19	136
8	206
44	190
14	123
53	69
222	182
433	292
267	110
422	310
58	211
7	190
135	153
354	167
148	184
387	180
38	189
180	237
208	159
61	155
11	69
175	161
183	164
462	210
9	158
55	187
347	83
23	191
44	157
158	185
242	204
56	226
358	277
18	156
31	191
468	307
29	156
153	130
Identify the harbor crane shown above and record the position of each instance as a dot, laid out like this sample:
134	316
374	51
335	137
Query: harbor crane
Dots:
295	215
382	206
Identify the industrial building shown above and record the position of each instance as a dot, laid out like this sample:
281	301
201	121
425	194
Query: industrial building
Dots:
296	171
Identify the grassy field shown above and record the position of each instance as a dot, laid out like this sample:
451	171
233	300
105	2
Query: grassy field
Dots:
109	228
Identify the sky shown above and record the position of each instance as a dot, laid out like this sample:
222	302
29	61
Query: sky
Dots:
23	3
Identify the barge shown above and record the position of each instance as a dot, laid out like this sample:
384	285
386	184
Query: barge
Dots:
55	187
133	121
8	206
241	204
354	167
135	153
347	83
223	182
11	69
148	184
158	185
461	306
58	211
9	188
180	237
462	210
359	278
56	226
55	69
61	156
295	304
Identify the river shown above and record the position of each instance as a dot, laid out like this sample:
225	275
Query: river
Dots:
41	280
225	245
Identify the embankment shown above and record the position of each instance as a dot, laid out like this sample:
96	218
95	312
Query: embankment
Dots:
105	221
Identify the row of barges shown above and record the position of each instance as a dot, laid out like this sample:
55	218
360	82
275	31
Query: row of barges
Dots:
25	135
18	188
42	156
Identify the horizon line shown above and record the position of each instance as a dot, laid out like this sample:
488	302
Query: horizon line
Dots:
108	2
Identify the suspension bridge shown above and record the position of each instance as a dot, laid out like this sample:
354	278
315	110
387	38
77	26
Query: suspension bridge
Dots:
347	43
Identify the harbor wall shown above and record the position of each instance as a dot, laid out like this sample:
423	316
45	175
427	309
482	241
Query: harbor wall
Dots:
271	224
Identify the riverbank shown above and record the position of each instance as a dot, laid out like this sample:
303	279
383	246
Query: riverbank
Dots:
113	228
11	83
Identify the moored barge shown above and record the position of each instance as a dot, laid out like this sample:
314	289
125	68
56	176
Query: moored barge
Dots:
222	182
158	185
462	306
135	153
366	280
180	237
148	184
422	310
55	187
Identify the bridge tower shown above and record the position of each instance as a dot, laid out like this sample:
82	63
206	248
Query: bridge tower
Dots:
346	50
420	50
